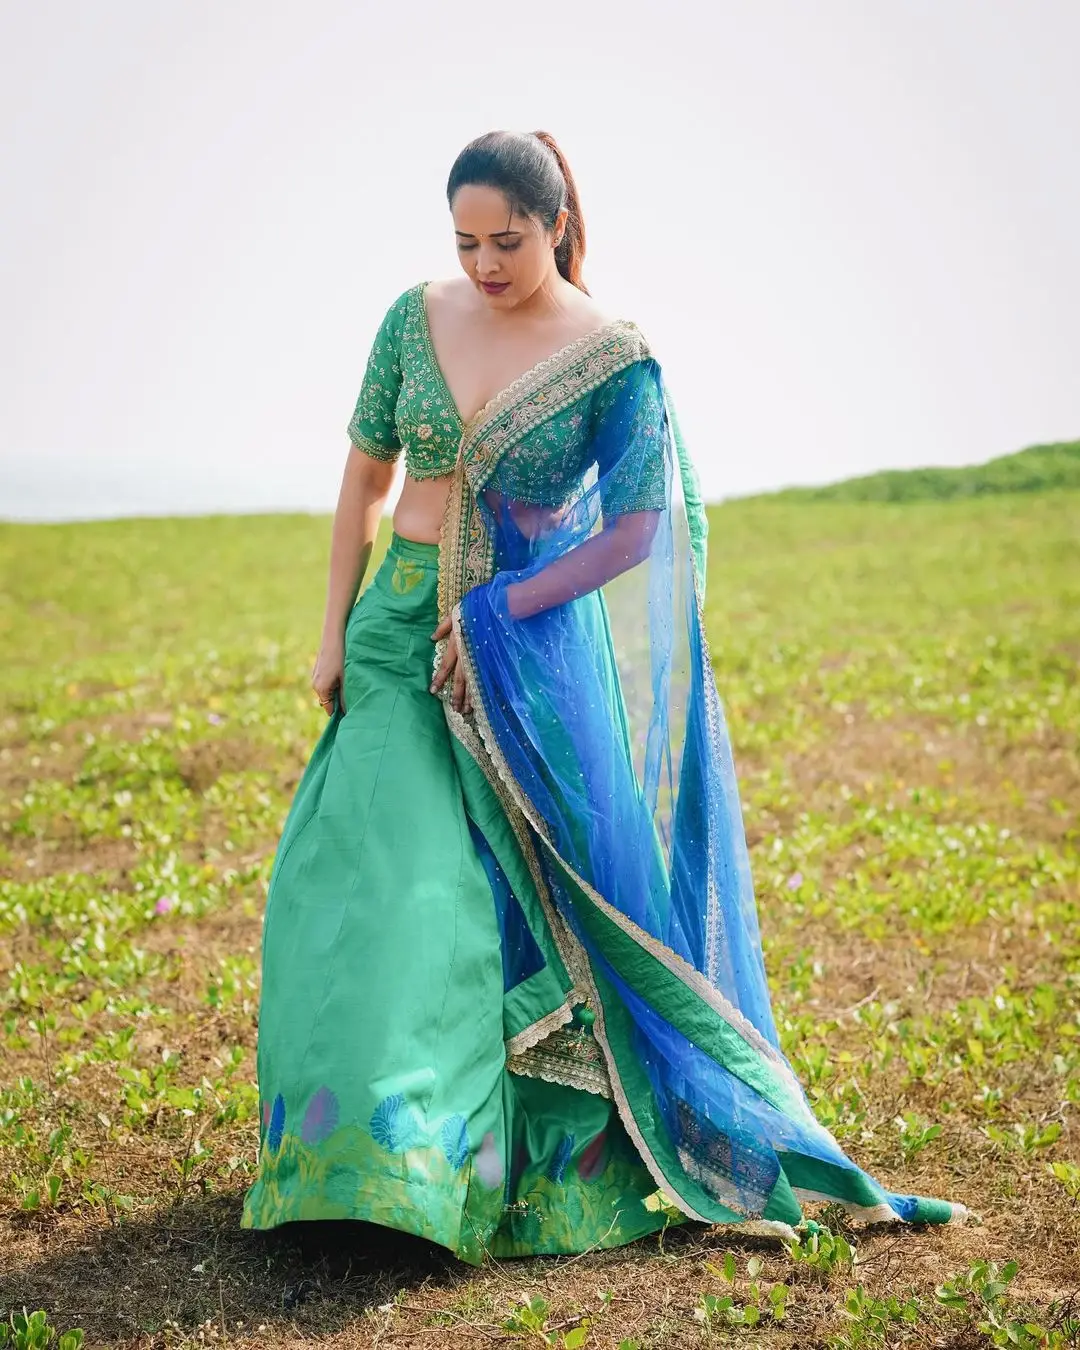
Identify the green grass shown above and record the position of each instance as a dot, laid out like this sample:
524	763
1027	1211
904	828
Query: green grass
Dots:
1039	468
901	682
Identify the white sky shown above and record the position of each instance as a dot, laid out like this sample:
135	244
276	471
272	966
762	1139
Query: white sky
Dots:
849	227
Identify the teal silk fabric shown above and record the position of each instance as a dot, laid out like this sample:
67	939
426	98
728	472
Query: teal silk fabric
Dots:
389	1007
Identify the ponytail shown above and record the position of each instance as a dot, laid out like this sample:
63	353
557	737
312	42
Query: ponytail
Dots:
570	255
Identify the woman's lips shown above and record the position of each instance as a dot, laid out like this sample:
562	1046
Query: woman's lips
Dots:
495	287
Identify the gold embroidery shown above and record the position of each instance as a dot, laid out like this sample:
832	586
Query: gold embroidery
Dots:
466	559
570	1056
548	388
372	448
535	1032
403	402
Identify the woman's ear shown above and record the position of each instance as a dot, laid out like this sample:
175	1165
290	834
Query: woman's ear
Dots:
559	228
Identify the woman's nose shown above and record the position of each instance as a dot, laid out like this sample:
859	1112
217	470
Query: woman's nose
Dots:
487	260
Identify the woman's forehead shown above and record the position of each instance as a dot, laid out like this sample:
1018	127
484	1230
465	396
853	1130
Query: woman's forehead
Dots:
483	211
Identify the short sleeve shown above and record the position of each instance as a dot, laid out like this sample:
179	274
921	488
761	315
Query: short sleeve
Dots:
373	426
630	440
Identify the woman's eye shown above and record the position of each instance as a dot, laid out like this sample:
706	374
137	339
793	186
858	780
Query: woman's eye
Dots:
510	247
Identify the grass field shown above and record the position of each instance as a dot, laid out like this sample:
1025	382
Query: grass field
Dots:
901	685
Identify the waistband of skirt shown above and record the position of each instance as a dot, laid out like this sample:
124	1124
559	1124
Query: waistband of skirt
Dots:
414	550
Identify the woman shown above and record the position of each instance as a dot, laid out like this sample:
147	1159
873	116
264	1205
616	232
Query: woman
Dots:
512	979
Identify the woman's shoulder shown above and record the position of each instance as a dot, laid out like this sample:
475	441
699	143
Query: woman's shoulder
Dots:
626	343
398	313
623	363
404	300
605	324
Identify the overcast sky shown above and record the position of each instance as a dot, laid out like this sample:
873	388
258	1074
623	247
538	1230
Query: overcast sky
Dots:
848	227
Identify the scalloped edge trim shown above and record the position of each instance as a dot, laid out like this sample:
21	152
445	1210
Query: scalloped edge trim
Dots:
591	1082
380	452
540	1030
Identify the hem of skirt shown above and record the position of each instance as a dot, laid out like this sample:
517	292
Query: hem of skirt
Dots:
334	1214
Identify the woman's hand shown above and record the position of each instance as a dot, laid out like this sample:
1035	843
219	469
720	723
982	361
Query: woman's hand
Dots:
451	665
328	677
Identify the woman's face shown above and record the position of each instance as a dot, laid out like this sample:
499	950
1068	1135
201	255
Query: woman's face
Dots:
505	255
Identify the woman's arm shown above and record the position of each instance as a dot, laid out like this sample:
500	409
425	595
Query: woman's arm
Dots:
630	444
365	486
620	545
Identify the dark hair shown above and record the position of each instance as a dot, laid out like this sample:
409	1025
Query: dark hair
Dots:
532	173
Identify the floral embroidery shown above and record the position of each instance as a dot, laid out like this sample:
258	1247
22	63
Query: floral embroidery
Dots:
404	403
569	1055
550	387
535	432
739	1173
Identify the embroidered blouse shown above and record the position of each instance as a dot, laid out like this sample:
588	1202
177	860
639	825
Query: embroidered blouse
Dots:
405	404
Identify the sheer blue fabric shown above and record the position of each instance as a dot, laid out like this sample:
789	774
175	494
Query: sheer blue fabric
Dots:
596	696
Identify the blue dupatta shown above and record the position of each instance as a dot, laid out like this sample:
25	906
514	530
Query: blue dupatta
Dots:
573	562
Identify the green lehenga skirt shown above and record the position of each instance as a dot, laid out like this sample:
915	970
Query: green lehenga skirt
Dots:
391	1012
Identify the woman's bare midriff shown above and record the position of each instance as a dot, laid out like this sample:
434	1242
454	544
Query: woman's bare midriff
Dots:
419	511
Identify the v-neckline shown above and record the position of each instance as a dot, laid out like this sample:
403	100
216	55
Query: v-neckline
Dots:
437	370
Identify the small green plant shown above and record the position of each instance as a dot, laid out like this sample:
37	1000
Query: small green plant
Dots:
716	1310
823	1252
1069	1175
915	1134
1027	1137
530	1319
870	1318
659	1203
981	1292
33	1331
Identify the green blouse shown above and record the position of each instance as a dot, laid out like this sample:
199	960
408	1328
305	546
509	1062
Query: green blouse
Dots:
405	404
